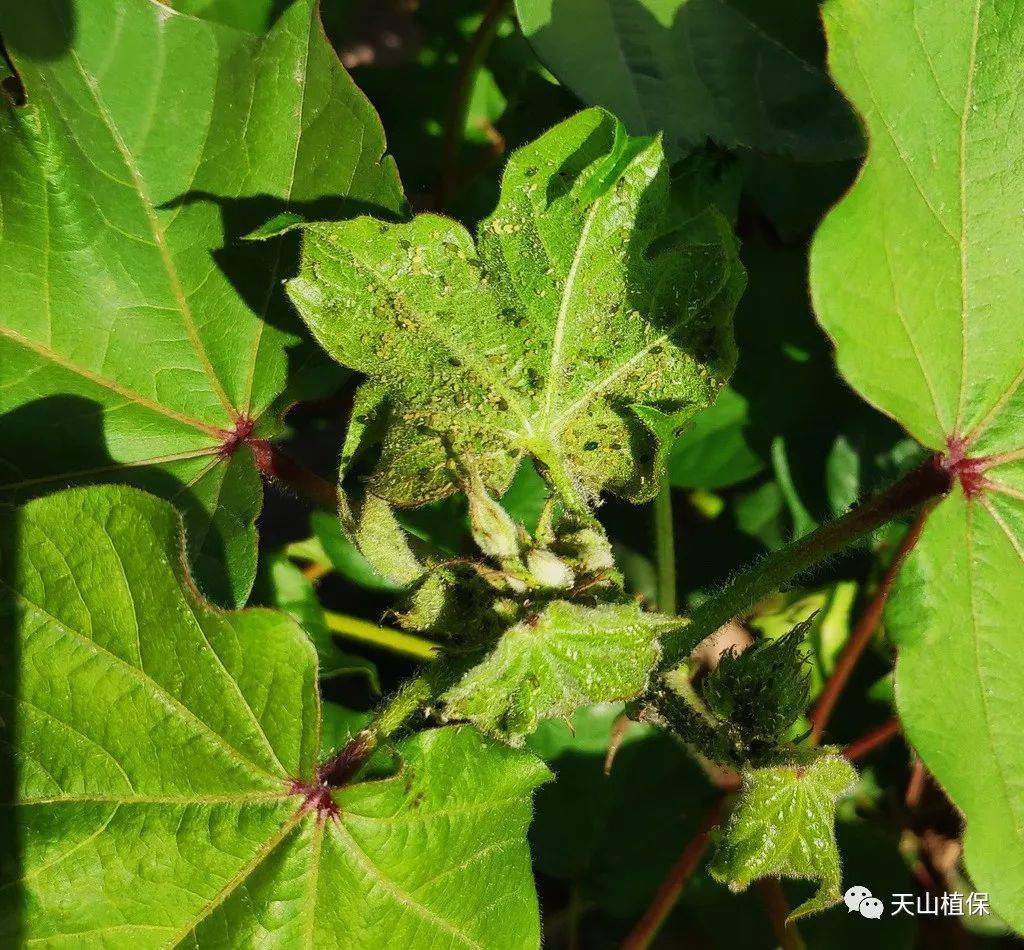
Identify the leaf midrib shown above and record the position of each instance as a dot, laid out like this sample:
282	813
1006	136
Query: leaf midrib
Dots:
159	237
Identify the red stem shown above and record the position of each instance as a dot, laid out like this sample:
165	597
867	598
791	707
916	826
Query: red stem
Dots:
915	787
275	464
862	633
777	908
455	120
870	741
661	906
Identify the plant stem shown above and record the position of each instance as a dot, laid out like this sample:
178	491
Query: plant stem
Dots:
657	912
916	785
665	548
410	698
458	108
924	483
862	633
394	640
273	463
870	741
777	908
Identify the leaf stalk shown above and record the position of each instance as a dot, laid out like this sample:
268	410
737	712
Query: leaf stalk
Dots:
925	483
665	547
410	699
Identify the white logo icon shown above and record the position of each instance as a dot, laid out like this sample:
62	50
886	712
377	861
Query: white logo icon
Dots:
859	898
871	907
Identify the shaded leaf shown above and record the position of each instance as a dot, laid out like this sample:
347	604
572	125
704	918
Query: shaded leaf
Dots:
280	584
929	330
136	333
166	760
574	306
614	835
713	453
697	69
783	824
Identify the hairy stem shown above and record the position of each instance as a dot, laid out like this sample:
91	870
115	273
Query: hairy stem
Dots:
353	628
665	549
862	633
923	484
657	912
273	463
458	108
409	700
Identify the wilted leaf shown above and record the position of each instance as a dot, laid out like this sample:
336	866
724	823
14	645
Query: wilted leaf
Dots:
138	336
784	825
574	306
166	758
917	276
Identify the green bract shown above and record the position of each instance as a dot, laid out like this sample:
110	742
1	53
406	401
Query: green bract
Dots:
137	335
917	277
727	70
166	756
783	824
580	302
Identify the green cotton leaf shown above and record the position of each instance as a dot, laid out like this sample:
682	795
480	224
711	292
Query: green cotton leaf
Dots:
255	16
280	584
614	835
166	758
697	70
915	276
139	336
577	303
713	452
783	825
344	556
549	665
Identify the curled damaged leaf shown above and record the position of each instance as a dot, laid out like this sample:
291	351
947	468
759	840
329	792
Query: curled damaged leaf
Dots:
783	825
556	661
167	784
576	304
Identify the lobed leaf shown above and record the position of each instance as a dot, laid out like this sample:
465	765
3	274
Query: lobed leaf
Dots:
140	339
549	665
577	305
165	754
784	825
917	275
